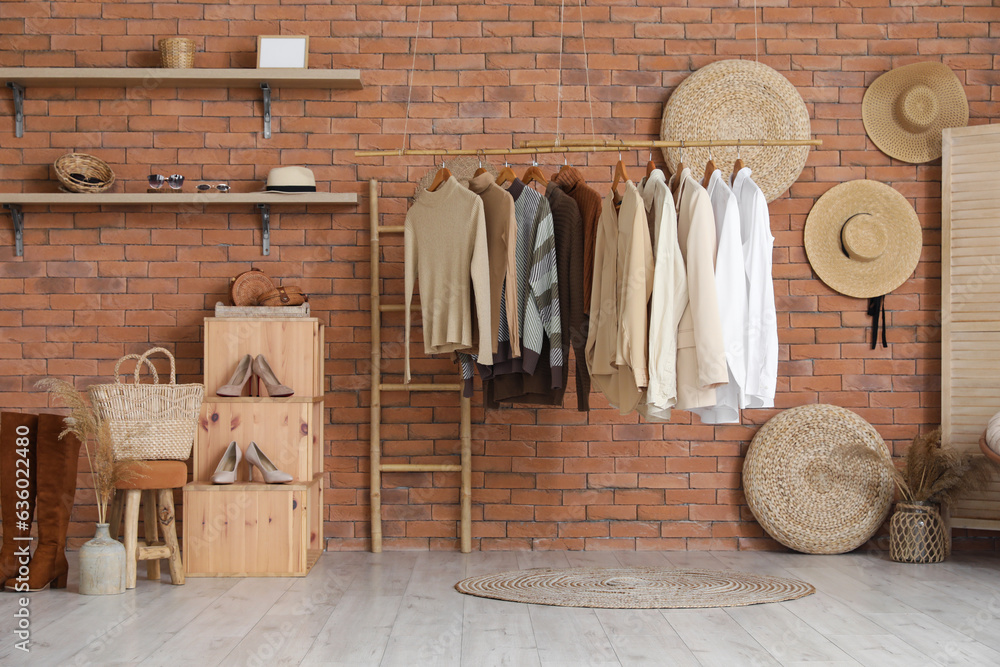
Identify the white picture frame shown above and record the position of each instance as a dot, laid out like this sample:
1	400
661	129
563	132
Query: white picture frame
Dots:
282	51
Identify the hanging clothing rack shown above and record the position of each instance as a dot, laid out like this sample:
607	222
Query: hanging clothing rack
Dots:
589	146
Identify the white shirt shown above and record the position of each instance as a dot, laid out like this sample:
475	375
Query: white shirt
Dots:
731	287
667	302
762	320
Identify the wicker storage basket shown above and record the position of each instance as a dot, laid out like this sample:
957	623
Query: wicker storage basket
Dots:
79	172
177	52
917	534
150	421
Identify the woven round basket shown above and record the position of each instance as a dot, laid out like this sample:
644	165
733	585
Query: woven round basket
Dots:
248	288
739	99
806	489
176	52
79	172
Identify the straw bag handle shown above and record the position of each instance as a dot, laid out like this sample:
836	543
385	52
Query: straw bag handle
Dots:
173	365
152	369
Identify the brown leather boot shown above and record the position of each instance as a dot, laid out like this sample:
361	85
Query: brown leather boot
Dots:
57	466
18	435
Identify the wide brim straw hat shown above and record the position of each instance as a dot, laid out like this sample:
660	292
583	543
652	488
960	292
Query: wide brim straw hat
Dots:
290	180
904	110
739	99
863	238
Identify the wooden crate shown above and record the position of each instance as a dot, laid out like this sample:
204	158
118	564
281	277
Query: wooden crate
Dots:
252	530
291	345
288	430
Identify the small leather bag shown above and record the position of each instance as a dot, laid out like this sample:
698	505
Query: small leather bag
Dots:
247	288
283	295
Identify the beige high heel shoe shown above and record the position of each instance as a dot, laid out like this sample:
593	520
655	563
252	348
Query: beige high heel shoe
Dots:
228	466
274	387
234	388
268	471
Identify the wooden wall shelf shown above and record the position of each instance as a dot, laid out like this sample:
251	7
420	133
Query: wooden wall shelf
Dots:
13	201
20	78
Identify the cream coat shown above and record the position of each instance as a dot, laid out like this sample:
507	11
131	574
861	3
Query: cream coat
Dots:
668	301
701	350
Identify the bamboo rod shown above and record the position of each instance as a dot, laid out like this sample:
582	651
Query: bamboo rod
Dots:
391	229
375	451
421	387
582	146
421	467
466	491
661	143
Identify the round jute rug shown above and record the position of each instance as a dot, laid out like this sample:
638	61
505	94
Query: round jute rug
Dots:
635	588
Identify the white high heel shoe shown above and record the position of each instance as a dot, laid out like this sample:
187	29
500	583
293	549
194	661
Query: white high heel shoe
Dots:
268	471
225	473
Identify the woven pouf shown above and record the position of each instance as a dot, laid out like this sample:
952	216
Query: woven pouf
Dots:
917	534
739	100
805	489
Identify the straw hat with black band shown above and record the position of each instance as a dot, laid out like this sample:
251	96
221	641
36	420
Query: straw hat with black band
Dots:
904	110
290	180
863	239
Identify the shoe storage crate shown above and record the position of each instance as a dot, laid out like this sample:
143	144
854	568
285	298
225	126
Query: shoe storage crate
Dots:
249	528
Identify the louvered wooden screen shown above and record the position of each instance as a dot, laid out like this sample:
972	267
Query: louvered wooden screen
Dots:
970	285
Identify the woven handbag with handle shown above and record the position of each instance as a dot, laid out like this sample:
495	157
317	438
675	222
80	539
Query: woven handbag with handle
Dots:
149	421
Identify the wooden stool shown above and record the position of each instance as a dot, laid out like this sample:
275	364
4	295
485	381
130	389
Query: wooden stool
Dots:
153	484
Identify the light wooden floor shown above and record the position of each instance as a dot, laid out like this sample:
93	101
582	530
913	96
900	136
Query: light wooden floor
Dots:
401	609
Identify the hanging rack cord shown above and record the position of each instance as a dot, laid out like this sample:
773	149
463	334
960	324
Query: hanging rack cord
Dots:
562	9
586	147
586	67
413	66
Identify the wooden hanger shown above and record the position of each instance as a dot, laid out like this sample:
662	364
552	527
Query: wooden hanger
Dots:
564	167
650	167
621	176
482	169
533	173
506	174
738	164
439	178
709	168
675	180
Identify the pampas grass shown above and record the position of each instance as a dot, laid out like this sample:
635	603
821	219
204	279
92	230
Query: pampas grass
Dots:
83	421
933	472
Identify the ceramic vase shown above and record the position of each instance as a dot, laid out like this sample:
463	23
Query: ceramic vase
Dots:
102	564
917	533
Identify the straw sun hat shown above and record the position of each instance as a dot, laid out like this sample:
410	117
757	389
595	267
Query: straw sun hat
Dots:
863	238
739	99
904	110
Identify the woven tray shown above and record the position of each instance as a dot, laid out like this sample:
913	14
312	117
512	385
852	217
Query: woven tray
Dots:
222	310
803	488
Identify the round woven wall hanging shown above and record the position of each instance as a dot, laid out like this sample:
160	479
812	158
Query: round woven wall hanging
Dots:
739	99
807	489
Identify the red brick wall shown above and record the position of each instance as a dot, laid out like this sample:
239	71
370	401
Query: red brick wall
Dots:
95	284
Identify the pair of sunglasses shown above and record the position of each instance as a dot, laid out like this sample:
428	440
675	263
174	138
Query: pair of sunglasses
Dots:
205	187
156	181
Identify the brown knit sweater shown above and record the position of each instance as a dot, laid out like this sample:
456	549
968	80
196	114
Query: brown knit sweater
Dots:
537	388
589	201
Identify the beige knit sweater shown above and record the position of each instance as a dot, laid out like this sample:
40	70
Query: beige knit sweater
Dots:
445	247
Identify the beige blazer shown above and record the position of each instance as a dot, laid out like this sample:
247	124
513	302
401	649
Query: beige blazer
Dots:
701	350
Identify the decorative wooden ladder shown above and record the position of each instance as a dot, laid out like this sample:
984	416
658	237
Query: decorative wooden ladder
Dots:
377	467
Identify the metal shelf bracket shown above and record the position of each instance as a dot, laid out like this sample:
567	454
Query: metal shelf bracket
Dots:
266	91
18	218
18	108
265	226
